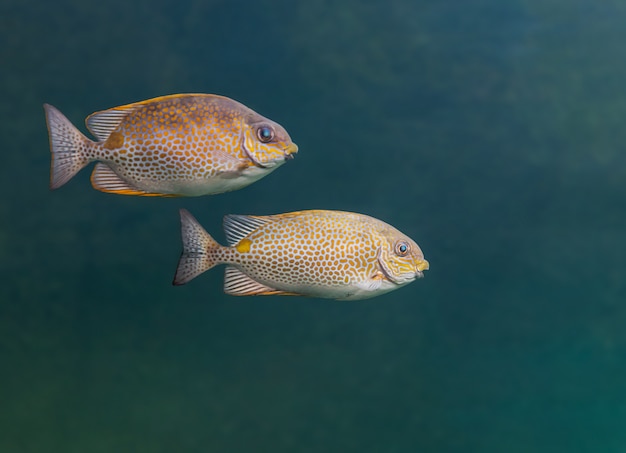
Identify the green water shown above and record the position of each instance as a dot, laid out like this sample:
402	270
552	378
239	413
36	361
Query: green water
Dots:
489	131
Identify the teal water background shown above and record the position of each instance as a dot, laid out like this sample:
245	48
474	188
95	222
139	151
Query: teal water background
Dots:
490	131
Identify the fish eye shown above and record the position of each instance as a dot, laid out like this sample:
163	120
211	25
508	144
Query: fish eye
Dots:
402	248
265	133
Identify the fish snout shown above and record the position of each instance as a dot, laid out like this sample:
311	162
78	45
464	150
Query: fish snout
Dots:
290	151
421	266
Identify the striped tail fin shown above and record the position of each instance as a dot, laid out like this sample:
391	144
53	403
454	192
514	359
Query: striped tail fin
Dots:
69	147
197	247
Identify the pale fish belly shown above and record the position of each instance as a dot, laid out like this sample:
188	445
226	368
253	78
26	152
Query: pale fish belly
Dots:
299	282
183	183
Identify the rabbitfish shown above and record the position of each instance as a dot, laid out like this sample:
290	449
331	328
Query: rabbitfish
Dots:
177	145
327	254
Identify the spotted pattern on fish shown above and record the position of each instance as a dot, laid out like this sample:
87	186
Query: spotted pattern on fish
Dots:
330	254
177	145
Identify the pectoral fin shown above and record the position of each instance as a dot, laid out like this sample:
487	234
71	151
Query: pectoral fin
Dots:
373	283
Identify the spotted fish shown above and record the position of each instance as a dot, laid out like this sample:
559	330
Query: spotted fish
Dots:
177	145
327	254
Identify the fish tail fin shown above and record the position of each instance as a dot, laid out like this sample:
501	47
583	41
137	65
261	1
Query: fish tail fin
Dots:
68	147
197	246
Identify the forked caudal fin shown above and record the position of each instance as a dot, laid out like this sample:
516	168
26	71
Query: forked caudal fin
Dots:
197	245
67	145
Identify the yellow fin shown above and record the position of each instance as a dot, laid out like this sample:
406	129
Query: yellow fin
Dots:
106	180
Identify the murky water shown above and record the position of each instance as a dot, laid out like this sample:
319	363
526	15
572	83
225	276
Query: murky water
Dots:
491	132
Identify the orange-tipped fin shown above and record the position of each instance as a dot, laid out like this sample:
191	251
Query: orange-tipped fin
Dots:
236	283
106	180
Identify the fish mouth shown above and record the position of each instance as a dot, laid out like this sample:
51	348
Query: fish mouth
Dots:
421	266
290	150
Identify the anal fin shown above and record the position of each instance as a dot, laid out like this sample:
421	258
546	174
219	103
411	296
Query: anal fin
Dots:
106	180
236	283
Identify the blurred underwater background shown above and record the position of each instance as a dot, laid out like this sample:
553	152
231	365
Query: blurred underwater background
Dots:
489	131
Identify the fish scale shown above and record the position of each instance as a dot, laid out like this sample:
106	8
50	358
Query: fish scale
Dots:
329	254
304	256
177	145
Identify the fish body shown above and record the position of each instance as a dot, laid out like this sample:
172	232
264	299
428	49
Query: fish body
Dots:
176	145
318	253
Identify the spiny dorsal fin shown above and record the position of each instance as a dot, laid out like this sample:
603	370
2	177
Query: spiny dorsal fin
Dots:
238	227
236	283
101	124
106	180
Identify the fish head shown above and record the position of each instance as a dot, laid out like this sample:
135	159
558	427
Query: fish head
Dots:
400	258
266	143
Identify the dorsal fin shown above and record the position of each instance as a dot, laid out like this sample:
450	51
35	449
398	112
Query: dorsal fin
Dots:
236	283
101	124
238	227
